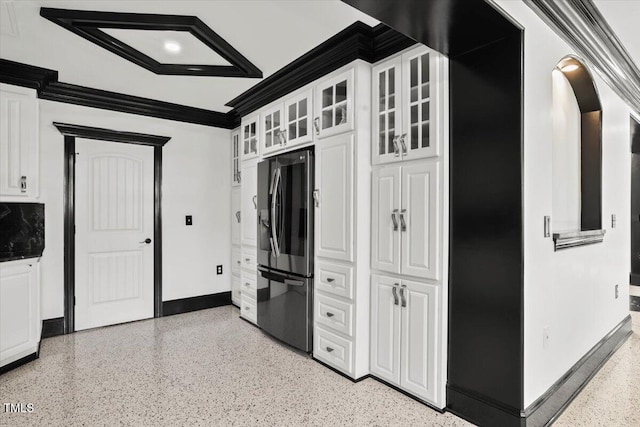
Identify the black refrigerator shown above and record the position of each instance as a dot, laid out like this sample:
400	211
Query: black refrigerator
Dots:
285	247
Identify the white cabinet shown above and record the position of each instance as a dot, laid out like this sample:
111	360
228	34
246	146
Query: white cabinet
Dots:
19	162
235	290
20	323
297	119
236	216
248	203
407	106
235	157
334	101
404	345
334	198
249	135
271	123
406	220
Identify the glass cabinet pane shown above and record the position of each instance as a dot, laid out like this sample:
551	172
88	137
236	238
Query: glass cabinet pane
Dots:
302	108
302	128
327	97
341	92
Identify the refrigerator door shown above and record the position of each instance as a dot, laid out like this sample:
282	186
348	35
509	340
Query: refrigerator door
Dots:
285	307
285	223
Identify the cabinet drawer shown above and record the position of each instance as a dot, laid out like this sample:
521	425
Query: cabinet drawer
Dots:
334	314
236	260
335	279
248	309
249	259
332	349
248	284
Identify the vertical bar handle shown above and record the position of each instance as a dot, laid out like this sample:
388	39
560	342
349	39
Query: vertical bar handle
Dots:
404	146
403	224
394	219
396	150
316	125
238	216
23	184
404	299
255	202
394	290
316	197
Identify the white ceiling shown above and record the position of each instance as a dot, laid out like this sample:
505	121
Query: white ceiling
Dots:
624	17
270	34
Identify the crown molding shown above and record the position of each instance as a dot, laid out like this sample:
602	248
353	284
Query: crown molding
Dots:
580	23
25	75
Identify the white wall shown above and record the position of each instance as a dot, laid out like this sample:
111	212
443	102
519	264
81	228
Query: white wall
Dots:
196	181
572	291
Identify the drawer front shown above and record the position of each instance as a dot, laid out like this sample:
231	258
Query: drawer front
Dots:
248	309
249	259
236	260
334	314
335	279
333	350
248	284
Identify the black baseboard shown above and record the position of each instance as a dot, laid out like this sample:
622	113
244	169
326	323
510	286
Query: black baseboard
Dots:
634	303
202	302
634	279
52	327
342	374
13	365
546	409
406	393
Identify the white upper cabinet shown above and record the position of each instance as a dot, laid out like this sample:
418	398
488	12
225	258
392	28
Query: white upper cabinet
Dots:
298	119
406	106
334	100
235	157
249	134
19	162
334	198
248	203
272	125
405	221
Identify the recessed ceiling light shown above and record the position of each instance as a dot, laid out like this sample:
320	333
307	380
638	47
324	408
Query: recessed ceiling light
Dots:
172	46
569	67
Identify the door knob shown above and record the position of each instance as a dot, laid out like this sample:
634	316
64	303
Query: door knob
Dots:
147	241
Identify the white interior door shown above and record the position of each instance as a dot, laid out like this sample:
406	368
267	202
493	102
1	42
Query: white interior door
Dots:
113	217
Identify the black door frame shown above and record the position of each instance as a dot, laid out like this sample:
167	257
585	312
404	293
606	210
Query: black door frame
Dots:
634	275
71	132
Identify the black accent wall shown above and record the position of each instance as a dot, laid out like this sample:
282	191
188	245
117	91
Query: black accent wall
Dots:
635	203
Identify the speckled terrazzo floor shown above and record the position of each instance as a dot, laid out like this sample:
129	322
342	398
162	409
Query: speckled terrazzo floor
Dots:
209	368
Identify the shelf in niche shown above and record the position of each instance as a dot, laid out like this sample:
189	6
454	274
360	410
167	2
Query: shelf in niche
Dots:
572	239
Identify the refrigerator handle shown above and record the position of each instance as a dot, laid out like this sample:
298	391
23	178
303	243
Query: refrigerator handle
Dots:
274	197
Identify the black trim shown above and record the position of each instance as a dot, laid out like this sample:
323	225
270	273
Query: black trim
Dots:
49	88
634	279
554	401
634	303
342	374
87	24
406	393
71	132
17	363
52	327
186	305
357	41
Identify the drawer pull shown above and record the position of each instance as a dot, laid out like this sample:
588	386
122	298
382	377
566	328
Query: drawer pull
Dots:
329	349
330	279
247	308
239	262
329	314
247	259
247	284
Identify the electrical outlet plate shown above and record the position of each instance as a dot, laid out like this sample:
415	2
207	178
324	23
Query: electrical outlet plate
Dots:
218	269
188	220
617	291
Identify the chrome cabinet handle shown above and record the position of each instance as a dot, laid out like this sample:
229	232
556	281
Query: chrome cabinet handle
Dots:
239	262
23	184
247	284
396	150
238	216
247	259
283	137
316	197
404	300
329	349
316	125
330	279
147	241
329	314
394	290
255	202
403	224
395	221
239	177
404	146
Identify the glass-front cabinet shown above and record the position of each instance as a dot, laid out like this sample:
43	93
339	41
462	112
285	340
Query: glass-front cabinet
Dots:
272	129
250	137
404	89
235	157
297	113
334	105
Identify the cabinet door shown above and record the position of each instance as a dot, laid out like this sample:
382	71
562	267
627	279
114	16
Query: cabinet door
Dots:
334	105
297	113
419	135
248	207
235	157
250	131
236	216
419	220
271	123
334	198
385	328
385	221
18	142
418	343
235	289
387	107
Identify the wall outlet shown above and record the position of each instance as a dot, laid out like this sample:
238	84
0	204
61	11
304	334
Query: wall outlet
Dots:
617	292
188	220
545	337
218	269
614	221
